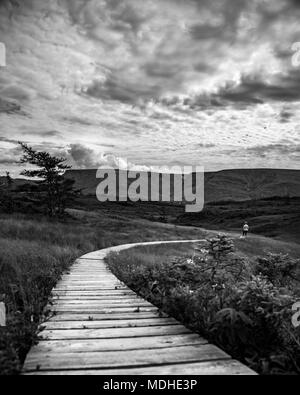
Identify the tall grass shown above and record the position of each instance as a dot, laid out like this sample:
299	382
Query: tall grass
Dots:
33	256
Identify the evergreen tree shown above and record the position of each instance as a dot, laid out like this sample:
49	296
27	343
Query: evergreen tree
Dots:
52	188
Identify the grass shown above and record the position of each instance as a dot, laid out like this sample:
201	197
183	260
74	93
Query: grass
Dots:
36	251
276	217
273	217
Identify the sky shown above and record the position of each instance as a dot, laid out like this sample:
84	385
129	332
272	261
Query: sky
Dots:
152	82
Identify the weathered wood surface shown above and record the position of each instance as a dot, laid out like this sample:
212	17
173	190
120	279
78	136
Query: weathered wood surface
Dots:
98	326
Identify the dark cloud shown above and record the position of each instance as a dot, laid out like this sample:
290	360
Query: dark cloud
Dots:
79	120
125	16
278	149
9	107
50	133
228	13
295	3
7	140
43	133
16	93
205	145
162	69
120	89
250	90
203	67
162	116
204	32
82	156
254	88
119	15
285	116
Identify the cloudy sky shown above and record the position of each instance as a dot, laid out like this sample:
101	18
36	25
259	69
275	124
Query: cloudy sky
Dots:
156	82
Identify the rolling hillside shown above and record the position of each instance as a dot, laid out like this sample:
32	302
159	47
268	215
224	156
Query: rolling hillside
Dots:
236	185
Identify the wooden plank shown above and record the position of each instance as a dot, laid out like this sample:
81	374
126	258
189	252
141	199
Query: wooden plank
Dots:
82	283
100	293
102	298
83	316
88	278
91	286
113	332
109	294
88	272
92	275
89	289
109	323
84	279
89	307
101	309
92	345
106	310
226	367
100	303
104	359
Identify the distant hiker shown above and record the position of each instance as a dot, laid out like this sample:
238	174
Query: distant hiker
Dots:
245	229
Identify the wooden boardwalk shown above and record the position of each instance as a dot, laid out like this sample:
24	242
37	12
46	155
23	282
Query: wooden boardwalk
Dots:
101	327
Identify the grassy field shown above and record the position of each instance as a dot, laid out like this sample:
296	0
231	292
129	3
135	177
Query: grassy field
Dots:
241	311
278	218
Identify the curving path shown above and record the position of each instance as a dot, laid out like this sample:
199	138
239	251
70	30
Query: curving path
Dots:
101	327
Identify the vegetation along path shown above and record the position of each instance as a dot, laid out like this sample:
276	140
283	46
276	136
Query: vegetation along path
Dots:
99	326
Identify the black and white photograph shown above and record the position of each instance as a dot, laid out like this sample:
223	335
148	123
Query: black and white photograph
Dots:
149	190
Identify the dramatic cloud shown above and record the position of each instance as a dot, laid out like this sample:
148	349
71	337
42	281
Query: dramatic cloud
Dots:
154	81
82	156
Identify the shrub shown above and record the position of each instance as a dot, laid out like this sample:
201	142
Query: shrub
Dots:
280	269
221	298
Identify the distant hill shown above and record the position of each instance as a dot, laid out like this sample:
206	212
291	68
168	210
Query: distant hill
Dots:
236	185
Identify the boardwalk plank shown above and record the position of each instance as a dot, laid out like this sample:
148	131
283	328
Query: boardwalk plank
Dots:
83	316
92	345
109	323
84	304
114	332
101	298
100	310
101	293
90	360
227	367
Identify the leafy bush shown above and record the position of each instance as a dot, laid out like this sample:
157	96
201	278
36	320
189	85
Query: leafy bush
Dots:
280	269
219	296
